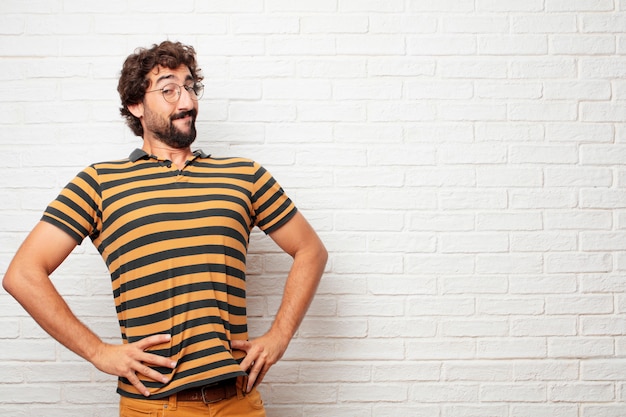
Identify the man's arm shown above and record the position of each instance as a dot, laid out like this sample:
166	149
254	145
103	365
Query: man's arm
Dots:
298	239
28	280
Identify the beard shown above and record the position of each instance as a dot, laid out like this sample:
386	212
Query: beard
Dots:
166	132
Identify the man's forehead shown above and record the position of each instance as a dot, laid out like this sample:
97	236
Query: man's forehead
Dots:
160	72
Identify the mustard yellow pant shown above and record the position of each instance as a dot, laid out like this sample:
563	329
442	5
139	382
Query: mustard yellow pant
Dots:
249	405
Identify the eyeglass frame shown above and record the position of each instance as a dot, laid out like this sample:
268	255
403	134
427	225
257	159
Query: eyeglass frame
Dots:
190	89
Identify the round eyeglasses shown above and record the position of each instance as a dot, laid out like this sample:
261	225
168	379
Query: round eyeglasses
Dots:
171	92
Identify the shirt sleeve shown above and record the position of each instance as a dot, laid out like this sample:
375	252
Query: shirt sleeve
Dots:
76	209
272	207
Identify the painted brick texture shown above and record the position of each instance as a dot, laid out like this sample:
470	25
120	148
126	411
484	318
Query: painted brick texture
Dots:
462	160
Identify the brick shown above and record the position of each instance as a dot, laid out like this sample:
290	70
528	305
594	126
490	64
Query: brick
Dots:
543	23
418	90
602	111
439	264
544	67
440	306
578	5
457	393
582	45
593	90
368	90
588	304
602	23
234	6
504	306
540	112
265	25
476	68
465	112
518	348
508	177
543	327
344	67
509	6
402	23
449	6
578	177
373	392
516	132
332	112
473	243
477	370
400	66
602	370
429	45
550	370
507	392
512	45
473	200
479	153
277	89
484	284
549	410
540	284
475	24
371	45
385	6
395	111
602	68
323	24
580	392
300	6
29	394
423	285
473	328
406	371
508	90
386	327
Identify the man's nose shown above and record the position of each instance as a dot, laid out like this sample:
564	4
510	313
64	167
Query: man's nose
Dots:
185	100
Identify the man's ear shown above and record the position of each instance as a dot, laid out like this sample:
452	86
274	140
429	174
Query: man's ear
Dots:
136	110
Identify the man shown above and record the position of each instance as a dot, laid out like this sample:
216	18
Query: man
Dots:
173	227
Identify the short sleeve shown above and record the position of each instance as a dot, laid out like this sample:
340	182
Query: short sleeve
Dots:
272	207
76	210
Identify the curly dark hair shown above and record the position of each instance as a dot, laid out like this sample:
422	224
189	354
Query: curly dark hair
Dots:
133	82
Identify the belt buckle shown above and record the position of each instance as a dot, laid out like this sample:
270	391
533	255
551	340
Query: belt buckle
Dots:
204	399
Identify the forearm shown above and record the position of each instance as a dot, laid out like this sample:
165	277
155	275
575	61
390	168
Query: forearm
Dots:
42	301
300	287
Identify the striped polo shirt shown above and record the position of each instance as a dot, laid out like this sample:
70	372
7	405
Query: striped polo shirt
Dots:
175	243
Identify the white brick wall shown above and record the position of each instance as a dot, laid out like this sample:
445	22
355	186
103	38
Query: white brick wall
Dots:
462	160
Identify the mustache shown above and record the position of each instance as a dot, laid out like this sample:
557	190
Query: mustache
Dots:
192	113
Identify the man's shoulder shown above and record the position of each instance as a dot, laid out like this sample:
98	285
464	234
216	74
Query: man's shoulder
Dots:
230	162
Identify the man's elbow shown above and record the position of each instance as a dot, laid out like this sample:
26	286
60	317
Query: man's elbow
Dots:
9	282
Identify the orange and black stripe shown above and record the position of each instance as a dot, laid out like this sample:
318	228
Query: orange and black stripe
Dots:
175	242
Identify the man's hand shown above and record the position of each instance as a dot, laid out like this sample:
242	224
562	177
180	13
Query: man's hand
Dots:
130	360
261	354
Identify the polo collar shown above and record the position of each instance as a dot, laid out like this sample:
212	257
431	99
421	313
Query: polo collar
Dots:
138	154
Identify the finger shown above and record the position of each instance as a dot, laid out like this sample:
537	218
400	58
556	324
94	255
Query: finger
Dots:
132	378
240	345
153	340
247	363
255	377
157	360
151	373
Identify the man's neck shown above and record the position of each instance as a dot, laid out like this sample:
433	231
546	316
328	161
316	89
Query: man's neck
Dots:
157	148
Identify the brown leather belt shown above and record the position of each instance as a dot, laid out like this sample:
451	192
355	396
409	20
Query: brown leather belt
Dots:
211	393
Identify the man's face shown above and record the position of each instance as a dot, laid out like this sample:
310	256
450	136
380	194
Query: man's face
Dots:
171	123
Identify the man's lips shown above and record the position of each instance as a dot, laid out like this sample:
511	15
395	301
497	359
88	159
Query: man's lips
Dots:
183	116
